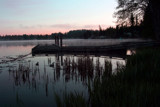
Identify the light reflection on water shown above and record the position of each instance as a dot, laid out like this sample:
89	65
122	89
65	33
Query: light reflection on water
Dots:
34	80
131	52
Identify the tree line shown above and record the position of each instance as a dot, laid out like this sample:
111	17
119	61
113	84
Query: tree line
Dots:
111	32
147	13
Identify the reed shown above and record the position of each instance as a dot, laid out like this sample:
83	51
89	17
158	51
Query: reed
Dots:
135	85
71	100
83	67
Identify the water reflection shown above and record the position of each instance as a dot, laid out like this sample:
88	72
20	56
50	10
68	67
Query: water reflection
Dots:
68	68
130	52
55	74
33	80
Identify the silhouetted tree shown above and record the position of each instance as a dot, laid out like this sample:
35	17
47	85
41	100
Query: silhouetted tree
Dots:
138	7
132	20
87	34
132	24
126	7
117	30
136	20
147	26
100	31
155	12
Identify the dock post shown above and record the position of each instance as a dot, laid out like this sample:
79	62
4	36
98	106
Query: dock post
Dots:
55	40
61	41
58	40
61	59
57	57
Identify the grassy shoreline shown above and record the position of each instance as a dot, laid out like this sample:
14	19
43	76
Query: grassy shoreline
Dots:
135	85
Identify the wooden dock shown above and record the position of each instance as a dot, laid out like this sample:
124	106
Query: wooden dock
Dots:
110	49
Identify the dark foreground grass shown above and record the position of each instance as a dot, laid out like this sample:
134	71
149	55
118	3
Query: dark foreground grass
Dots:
71	100
135	85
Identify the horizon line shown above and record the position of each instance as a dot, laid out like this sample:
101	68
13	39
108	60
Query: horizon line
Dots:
49	33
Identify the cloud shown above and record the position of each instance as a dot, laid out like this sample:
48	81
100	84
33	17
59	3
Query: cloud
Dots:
90	26
63	26
26	27
69	26
94	26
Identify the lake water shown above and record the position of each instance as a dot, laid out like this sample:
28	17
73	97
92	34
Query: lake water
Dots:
31	81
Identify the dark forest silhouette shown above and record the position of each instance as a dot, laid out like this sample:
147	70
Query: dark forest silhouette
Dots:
146	11
111	32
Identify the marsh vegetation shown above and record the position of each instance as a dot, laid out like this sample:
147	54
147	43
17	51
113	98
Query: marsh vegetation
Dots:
38	79
136	84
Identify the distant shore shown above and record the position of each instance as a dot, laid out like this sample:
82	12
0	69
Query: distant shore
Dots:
72	42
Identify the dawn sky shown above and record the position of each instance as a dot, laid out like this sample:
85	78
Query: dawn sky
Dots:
50	16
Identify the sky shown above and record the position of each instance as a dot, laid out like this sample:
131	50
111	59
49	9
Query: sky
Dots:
51	16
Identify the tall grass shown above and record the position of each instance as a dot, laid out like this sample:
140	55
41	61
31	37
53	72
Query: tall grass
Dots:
135	85
82	67
71	100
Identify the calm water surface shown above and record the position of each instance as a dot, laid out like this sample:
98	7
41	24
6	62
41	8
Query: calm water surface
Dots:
31	81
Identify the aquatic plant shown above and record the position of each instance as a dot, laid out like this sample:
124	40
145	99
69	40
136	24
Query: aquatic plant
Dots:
71	100
136	85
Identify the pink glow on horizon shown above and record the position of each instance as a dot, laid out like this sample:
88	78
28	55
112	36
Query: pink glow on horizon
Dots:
52	16
49	30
